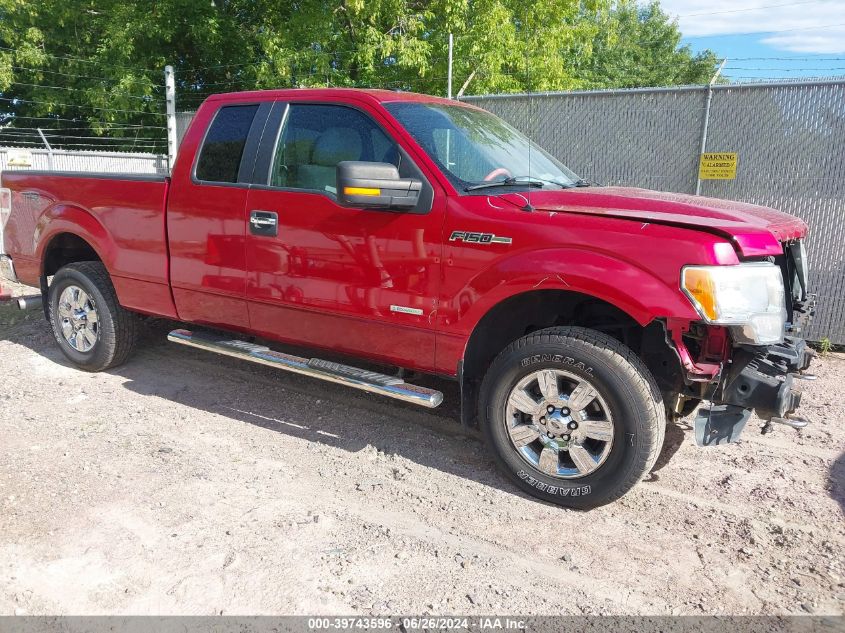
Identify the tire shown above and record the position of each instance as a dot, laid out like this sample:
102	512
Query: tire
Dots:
622	442
112	330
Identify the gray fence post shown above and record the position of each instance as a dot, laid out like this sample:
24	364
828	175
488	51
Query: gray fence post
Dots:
49	149
170	97
706	124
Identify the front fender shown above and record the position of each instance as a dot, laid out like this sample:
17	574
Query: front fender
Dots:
623	284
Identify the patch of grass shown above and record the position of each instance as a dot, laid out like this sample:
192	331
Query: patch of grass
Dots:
825	346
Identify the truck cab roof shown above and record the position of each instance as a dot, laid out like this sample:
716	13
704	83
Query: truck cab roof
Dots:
373	94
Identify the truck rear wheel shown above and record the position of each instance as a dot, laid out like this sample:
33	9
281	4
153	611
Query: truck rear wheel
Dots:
573	416
90	326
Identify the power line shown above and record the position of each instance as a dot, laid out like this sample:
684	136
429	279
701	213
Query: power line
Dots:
296	56
147	99
39	144
761	32
76	105
10	116
104	139
4	127
784	70
7	125
75	75
768	6
293	56
107	139
790	59
786	80
75	59
294	77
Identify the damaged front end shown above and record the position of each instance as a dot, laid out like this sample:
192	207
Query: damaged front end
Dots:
758	380
737	366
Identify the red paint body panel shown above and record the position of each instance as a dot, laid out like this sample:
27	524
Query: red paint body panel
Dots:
206	226
330	277
627	264
122	219
333	275
757	231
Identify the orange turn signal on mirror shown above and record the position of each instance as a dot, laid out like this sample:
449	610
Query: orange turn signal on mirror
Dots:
361	191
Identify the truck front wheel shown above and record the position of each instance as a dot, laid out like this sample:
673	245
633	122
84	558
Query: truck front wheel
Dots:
90	326
573	416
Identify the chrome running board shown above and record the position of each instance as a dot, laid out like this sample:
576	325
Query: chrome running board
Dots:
370	381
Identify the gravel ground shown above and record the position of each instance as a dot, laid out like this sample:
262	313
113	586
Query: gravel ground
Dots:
186	483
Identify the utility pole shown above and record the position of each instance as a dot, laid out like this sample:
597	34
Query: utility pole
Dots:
707	121
449	79
170	98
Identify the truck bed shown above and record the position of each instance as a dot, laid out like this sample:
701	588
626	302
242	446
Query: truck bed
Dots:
122	216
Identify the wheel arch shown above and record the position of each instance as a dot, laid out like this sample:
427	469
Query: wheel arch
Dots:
66	248
67	234
521	314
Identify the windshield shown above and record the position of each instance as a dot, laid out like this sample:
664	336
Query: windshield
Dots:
474	147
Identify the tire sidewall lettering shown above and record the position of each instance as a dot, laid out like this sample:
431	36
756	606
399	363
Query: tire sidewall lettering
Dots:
577	491
556	358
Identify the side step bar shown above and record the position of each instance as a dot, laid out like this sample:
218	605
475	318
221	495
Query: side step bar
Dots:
371	381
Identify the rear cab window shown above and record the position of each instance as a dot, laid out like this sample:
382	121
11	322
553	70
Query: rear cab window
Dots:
220	157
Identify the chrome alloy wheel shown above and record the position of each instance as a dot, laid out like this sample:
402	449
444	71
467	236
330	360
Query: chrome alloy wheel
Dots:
559	423
78	319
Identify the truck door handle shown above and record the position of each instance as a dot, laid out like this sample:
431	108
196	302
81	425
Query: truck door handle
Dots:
264	223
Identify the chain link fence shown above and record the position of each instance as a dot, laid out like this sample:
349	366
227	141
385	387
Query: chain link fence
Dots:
183	121
789	137
70	160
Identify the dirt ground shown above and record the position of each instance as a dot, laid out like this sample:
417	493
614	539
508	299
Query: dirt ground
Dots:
188	483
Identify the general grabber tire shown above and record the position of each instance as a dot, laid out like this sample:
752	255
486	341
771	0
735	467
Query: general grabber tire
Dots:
90	326
572	416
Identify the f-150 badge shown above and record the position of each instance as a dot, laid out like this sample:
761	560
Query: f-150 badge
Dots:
478	238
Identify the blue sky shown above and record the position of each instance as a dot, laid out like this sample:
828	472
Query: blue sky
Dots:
765	39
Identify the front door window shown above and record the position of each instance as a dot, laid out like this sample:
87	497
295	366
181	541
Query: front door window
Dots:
316	138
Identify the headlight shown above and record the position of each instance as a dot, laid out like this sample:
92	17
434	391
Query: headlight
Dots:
749	297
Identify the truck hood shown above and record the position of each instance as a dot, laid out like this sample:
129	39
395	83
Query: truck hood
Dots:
754	230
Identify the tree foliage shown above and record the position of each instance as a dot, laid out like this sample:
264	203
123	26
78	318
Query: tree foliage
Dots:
638	46
100	62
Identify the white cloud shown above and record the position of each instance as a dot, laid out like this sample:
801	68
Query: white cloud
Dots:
798	21
832	42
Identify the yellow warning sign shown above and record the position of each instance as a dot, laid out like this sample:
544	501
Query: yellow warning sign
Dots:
717	166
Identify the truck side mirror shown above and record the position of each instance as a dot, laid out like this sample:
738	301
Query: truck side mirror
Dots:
366	185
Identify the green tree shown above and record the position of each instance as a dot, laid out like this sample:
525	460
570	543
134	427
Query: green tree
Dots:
97	65
636	46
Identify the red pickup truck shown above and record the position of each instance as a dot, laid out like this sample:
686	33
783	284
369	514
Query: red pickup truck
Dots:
427	235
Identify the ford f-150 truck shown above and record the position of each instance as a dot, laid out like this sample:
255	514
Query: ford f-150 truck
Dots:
424	235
